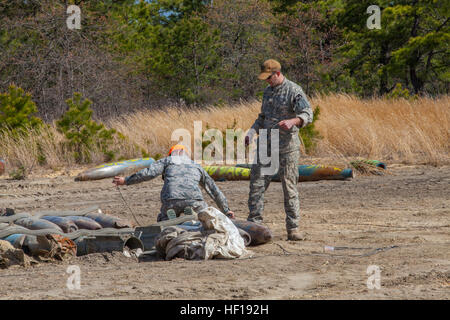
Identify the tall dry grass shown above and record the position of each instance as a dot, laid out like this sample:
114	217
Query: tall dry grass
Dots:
24	149
405	131
390	130
153	129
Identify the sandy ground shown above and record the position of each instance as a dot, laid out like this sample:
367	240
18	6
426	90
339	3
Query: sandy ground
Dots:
407	209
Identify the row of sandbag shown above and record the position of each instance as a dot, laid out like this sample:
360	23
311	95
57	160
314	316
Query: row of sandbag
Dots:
68	221
92	222
52	234
62	222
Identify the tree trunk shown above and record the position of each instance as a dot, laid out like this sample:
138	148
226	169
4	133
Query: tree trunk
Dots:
415	80
384	60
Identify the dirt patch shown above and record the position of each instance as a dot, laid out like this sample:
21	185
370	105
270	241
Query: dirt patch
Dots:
404	214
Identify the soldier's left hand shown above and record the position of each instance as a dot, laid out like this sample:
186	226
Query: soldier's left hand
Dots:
286	124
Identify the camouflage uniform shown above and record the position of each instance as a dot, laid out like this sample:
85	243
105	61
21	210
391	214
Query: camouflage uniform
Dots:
181	185
285	101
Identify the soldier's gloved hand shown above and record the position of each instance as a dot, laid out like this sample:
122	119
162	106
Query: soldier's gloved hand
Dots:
119	181
230	214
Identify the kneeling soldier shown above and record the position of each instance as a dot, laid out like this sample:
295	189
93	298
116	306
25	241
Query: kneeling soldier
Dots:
182	178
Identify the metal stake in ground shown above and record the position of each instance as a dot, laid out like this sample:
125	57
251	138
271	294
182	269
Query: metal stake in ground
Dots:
118	189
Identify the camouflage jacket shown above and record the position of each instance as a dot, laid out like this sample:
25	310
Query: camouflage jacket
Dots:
285	101
181	181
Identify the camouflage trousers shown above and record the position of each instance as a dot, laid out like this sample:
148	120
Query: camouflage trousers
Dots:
259	183
178	206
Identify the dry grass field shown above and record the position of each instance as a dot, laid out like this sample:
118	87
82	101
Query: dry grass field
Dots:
398	222
404	131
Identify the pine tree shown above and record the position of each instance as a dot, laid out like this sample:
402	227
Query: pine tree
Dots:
82	133
17	109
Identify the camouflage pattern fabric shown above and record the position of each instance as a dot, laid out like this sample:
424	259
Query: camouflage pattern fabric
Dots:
285	101
259	183
178	206
182	178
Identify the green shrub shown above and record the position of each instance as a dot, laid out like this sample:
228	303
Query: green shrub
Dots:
41	158
84	134
156	157
309	134
17	109
398	92
18	174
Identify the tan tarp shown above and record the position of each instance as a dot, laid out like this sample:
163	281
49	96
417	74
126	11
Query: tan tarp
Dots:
221	239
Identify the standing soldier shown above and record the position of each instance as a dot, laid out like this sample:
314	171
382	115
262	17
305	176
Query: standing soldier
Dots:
182	178
284	107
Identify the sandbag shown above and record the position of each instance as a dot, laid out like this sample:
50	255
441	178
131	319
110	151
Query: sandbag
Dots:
10	256
85	223
3	225
258	233
66	224
33	223
110	221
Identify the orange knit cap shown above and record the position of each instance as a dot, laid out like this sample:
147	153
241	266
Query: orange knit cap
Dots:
177	147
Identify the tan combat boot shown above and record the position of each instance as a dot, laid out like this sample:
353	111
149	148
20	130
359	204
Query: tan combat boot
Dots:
295	235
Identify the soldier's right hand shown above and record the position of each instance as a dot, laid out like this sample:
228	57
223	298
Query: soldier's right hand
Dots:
119	181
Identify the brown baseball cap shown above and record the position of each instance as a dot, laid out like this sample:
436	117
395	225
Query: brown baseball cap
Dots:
268	67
